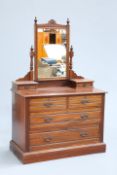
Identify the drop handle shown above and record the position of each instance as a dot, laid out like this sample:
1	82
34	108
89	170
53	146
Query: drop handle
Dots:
84	116
83	134
48	105
48	139
47	119
84	101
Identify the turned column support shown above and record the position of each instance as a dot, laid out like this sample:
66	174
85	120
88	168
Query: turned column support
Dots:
31	58
71	54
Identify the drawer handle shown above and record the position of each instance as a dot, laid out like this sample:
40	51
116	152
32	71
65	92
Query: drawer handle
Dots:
48	105
83	134
48	139
47	119
84	116
84	101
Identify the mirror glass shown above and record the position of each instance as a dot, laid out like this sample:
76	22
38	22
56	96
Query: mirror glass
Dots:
51	53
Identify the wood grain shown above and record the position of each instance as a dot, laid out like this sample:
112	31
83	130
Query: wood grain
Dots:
49	120
37	118
44	155
63	135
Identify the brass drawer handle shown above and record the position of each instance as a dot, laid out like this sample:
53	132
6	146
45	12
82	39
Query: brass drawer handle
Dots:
47	119
83	134
48	139
48	105
84	116
84	101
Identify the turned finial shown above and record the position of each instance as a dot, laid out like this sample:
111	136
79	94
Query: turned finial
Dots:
68	21
31	58
31	48
35	20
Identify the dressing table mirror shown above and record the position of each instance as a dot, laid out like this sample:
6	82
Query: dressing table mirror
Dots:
52	51
55	112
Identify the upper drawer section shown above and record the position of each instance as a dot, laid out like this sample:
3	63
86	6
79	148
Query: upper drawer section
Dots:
47	104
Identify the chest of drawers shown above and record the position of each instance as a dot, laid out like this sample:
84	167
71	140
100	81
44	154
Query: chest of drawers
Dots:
56	125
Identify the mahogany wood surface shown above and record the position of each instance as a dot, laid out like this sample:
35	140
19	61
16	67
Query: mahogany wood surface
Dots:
43	155
56	120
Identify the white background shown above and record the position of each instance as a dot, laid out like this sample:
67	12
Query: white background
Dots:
94	37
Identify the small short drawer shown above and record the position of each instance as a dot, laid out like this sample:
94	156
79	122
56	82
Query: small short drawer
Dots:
85	102
85	99
47	104
56	100
22	87
63	136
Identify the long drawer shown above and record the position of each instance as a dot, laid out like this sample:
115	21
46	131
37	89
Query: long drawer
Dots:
42	123
64	144
63	135
49	104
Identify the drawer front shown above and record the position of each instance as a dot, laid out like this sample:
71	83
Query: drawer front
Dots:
85	103
84	99
61	126
46	119
49	104
63	136
42	123
64	144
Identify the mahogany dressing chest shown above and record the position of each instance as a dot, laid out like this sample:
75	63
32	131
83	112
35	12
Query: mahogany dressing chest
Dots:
55	112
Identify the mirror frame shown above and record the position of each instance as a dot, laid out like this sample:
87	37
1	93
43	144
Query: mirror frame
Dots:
51	25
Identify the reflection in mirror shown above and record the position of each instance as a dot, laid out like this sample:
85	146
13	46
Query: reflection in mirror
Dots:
51	52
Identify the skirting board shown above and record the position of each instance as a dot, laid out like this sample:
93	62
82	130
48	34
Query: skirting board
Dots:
37	156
